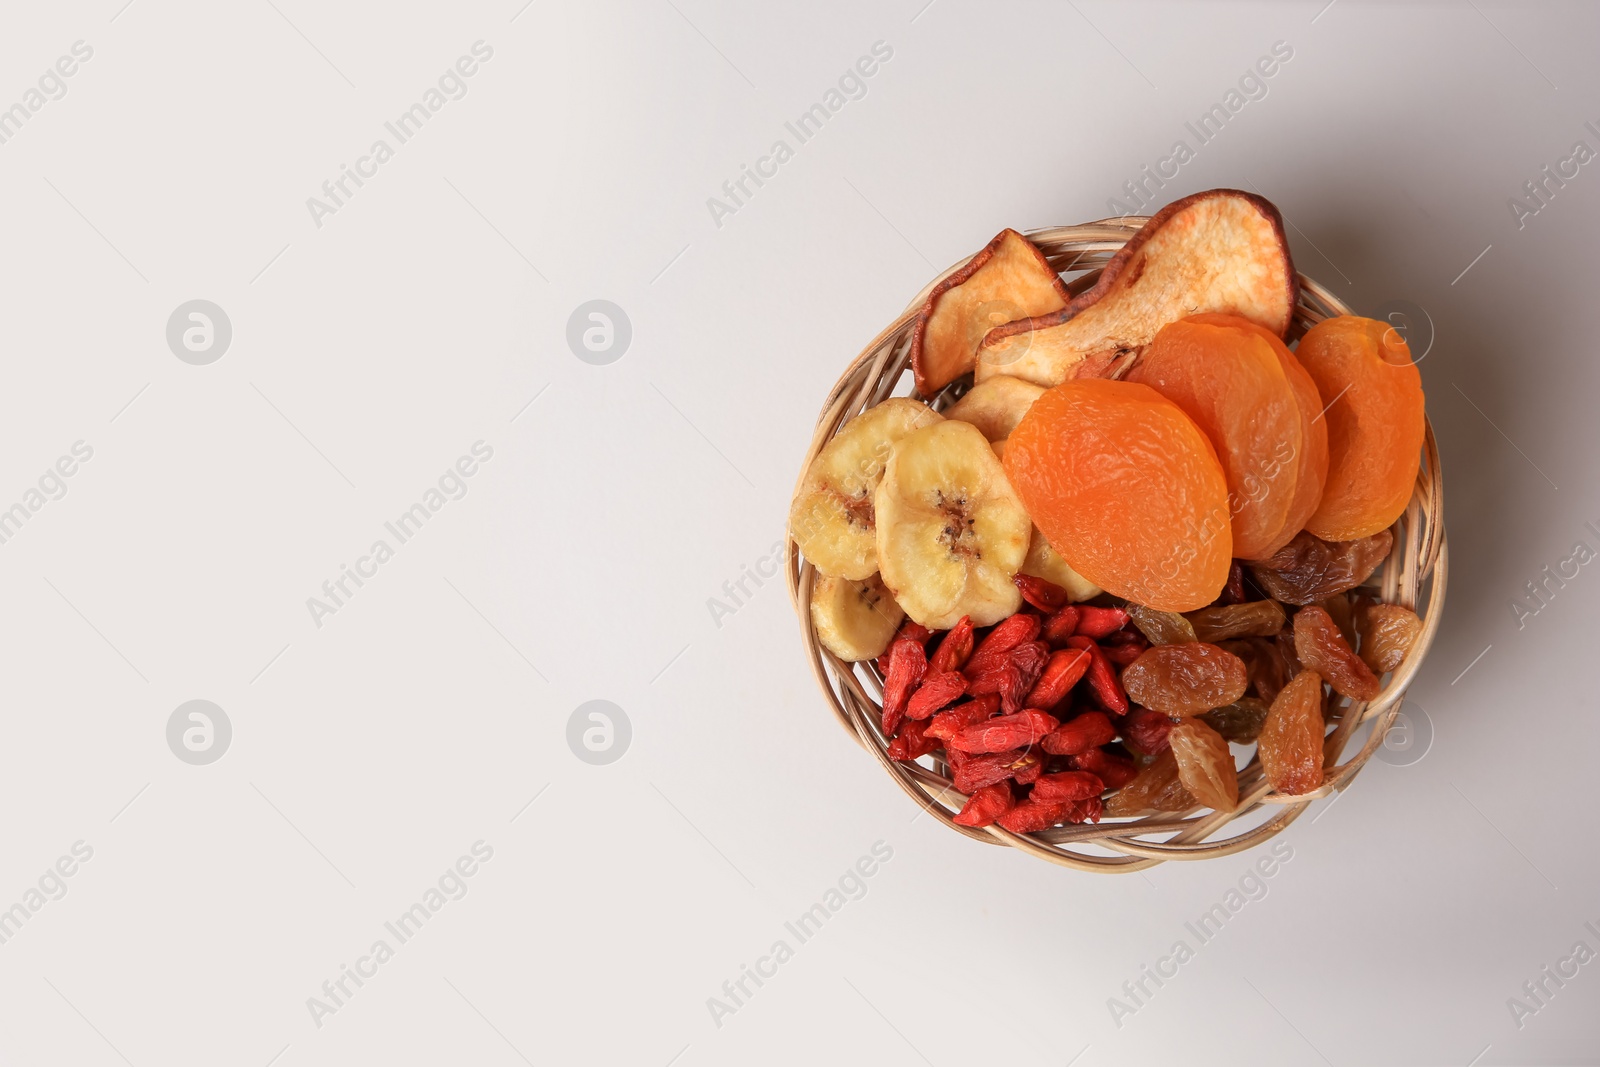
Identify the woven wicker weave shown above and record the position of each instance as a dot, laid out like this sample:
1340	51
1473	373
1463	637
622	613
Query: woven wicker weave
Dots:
1413	575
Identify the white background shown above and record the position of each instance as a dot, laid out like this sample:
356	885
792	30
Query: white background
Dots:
372	351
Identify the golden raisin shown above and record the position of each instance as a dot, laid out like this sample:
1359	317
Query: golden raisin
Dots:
1291	739
1387	633
1156	788
1322	648
1185	679
1162	627
1260	618
1205	765
1308	570
1239	722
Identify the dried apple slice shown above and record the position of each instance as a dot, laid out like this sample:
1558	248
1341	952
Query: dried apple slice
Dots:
1009	280
1221	250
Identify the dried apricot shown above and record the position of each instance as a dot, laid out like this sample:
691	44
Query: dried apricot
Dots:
1308	569
1291	739
1185	679
1259	618
1387	633
1205	765
1127	489
1228	378
1156	788
1376	425
1322	648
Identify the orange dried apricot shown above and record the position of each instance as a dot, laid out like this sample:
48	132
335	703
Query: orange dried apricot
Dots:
1227	376
1313	450
1127	489
1373	393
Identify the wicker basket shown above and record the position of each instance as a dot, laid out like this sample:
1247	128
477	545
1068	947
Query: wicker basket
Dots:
1413	575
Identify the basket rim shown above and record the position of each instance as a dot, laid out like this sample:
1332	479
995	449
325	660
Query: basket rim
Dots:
1414	574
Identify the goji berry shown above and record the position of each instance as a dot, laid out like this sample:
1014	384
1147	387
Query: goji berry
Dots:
985	805
1145	730
970	773
1046	596
911	630
935	692
1102	676
1113	771
1098	622
1061	672
907	663
1032	816
1060	626
1023	729
1088	731
1027	767
1067	785
1029	659
953	650
1079	811
913	742
994	648
947	724
1122	655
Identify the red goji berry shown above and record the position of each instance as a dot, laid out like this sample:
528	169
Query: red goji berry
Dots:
1102	677
1061	672
1067	785
954	647
936	691
911	630
1088	731
1060	626
907	663
1032	816
1029	659
985	805
1098	622
1122	655
1046	596
973	772
1079	811
994	648
1027	767
1112	770
1145	730
913	742
947	724
1004	732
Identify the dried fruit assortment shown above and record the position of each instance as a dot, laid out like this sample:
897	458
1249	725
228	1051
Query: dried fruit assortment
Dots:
1145	533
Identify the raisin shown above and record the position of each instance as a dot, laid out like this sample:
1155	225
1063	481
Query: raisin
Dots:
1162	627
1291	739
1185	679
1088	731
1239	722
1067	785
1205	765
1387	633
1156	788
1260	618
1308	569
1342	613
1322	648
1145	731
985	805
1233	592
